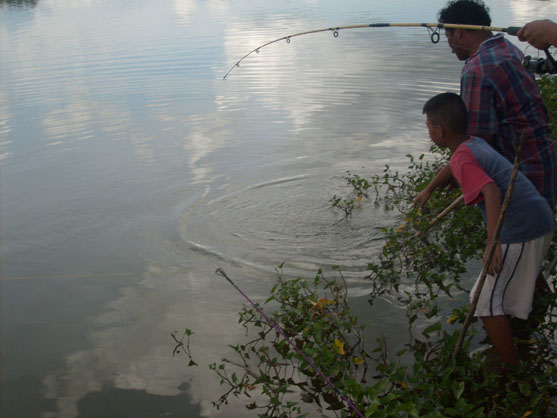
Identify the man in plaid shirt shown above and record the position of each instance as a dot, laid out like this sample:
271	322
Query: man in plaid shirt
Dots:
502	98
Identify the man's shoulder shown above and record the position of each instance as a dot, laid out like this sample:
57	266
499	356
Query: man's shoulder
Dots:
500	57
499	49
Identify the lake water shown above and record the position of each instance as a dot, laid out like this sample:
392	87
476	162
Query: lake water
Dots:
130	171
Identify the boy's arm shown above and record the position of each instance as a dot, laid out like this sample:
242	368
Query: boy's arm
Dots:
443	176
492	198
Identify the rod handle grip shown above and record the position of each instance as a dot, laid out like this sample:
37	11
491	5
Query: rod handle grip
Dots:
513	30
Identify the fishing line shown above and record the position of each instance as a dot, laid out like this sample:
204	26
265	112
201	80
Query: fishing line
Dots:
433	31
300	352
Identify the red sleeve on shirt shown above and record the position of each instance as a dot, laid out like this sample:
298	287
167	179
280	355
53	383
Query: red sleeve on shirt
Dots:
469	174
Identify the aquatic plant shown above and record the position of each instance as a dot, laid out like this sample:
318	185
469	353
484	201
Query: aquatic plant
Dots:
357	193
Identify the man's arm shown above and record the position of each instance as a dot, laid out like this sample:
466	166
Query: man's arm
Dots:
492	198
443	177
539	33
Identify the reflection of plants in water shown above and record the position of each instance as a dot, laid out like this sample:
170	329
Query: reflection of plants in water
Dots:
183	347
18	3
421	269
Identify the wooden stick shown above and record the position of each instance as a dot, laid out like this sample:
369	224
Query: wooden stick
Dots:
492	248
456	203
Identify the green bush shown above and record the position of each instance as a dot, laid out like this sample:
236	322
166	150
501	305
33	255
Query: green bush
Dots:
548	88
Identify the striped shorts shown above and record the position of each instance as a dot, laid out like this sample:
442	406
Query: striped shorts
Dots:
511	292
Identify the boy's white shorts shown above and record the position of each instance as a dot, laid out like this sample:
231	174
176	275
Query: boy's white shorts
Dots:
511	292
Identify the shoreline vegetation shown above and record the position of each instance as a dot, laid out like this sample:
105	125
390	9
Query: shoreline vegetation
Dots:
421	268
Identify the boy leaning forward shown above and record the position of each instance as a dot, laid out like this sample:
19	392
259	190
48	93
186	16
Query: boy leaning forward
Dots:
483	175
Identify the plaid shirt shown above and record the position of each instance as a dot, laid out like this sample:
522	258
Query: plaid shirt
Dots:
503	100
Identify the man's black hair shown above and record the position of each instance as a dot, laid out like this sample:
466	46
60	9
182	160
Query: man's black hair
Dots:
449	110
465	12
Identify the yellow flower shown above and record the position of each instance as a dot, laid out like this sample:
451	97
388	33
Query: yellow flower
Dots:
339	345
324	302
400	228
321	303
403	384
452	319
358	199
358	360
526	414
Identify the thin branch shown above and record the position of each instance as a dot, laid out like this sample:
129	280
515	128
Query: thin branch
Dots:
243	367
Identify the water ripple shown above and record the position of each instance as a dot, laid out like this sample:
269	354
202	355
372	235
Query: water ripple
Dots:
285	218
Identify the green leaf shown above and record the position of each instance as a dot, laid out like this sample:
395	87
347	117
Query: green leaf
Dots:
432	328
524	389
458	389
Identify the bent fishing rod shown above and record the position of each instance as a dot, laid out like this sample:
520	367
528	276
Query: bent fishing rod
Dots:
433	29
538	65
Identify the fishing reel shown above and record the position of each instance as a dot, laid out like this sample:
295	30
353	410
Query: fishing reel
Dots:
540	65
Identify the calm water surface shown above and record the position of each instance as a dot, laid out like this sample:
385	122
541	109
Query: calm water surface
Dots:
130	171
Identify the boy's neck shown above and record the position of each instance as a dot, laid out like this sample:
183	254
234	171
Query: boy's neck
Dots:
454	141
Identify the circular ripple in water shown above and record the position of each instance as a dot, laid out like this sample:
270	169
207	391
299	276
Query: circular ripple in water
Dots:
285	219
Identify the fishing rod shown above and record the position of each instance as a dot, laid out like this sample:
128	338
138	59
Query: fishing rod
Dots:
433	29
294	346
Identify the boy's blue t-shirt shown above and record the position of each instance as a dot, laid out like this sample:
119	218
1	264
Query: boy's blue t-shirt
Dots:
474	164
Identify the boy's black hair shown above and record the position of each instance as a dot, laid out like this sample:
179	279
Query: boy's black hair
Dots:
465	12
449	110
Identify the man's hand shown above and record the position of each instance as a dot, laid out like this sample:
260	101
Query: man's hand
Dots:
540	34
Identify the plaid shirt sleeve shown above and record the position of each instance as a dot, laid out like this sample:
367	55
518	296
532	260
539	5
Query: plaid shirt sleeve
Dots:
479	93
503	101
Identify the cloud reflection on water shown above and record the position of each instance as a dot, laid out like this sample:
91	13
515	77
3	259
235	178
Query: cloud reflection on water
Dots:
318	105
131	346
